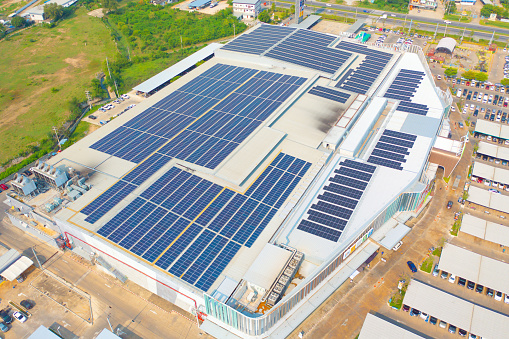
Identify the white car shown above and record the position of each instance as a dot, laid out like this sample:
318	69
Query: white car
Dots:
125	96
20	317
472	107
506	299
439	77
453	108
498	296
424	316
398	245
464	110
452	279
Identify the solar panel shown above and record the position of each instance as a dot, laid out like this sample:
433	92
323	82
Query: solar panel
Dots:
180	220
331	94
391	149
400	135
402	87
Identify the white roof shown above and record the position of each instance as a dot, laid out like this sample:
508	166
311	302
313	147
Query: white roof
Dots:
43	333
493	150
475	267
460	262
492	128
490	173
456	311
394	236
486	230
488	199
440	304
8	258
449	145
267	266
171	72
447	43
17	268
377	326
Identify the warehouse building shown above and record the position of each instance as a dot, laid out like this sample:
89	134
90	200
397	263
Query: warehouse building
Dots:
287	144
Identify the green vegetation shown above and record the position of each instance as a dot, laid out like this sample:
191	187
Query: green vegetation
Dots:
487	10
465	195
451	72
455	227
437	251
460	18
18	22
400	6
65	58
397	298
471	75
335	18
80	132
504	82
427	265
151	38
449	178
264	16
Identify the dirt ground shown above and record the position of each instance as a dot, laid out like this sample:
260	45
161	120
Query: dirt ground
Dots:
332	27
98	13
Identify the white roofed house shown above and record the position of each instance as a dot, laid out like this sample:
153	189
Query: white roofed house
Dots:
248	9
37	13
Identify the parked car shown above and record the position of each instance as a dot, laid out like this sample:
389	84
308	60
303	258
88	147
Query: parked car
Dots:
405	308
449	205
444	275
462	281
4	187
452	329
433	320
26	304
424	316
93	117
470	285
414	312
506	299
398	245
5	316
20	278
3	327
479	288
412	266
462	332
442	324
452	279
20	317
435	271
498	296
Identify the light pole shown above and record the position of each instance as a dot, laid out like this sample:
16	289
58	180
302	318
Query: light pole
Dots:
108	318
445	32
37	258
58	140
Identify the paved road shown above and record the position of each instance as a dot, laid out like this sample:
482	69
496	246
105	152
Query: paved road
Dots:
138	312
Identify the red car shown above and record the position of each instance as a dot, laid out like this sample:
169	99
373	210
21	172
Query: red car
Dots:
4	187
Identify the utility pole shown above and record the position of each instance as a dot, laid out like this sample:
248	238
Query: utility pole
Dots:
436	30
462	35
114	82
491	39
59	146
234	30
89	99
181	45
445	32
410	28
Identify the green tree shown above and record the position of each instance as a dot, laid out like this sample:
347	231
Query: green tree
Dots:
96	91
264	16
110	5
18	21
74	108
504	82
469	75
451	72
481	76
487	10
273	7
53	11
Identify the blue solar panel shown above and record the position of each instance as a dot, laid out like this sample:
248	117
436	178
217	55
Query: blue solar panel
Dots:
217	266
391	149
106	201
328	217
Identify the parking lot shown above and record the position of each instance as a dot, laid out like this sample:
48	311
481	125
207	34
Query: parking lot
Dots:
389	36
116	108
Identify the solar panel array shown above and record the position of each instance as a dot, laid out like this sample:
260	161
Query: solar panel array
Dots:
410	107
186	127
112	196
327	218
362	78
391	149
330	94
309	49
192	228
259	40
405	85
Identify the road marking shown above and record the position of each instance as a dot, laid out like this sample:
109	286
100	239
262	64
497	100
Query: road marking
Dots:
65	261
107	285
82	277
153	311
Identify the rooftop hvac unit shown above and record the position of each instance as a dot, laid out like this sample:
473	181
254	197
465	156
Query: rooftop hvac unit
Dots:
278	288
53	170
50	169
293	263
40	165
273	298
289	271
284	280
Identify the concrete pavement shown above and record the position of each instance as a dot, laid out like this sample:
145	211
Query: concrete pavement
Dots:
137	312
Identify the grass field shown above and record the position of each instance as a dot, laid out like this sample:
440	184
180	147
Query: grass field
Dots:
43	69
427	265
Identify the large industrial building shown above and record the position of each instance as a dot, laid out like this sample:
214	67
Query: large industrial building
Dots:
248	190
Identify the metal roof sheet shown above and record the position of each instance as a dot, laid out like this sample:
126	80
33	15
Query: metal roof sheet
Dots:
460	262
440	304
394	236
473	226
493	150
490	128
306	23
377	326
488	199
488	323
171	72
17	268
494	274
496	233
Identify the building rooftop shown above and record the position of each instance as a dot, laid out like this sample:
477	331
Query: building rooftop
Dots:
487	230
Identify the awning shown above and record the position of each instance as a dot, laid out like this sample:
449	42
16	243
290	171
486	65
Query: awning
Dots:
17	268
394	236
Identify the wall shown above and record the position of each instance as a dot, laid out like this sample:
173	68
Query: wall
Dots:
22	225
